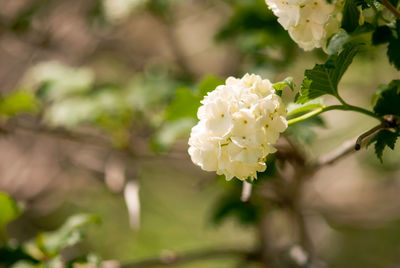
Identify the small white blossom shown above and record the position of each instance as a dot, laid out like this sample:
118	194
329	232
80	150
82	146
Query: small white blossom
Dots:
309	22
118	10
239	123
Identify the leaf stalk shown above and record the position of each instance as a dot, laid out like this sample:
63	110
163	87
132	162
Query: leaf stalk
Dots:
343	107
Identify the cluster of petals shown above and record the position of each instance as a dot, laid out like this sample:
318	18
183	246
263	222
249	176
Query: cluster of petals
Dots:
239	123
309	22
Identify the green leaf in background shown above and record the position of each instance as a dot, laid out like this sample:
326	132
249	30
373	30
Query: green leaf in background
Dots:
351	16
382	139
186	101
324	78
388	103
18	102
207	84
304	132
185	104
393	51
381	35
9	211
231	205
170	132
287	82
13	255
254	30
50	244
54	80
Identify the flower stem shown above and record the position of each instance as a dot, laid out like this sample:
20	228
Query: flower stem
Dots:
305	116
343	107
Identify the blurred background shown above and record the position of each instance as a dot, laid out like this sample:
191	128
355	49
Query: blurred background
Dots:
98	98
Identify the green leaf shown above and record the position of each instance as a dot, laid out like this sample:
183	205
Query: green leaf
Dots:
231	205
393	51
394	2
207	84
381	35
287	82
186	101
351	16
324	78
9	211
170	132
388	102
10	255
18	102
295	108
382	139
184	105
304	131
70	233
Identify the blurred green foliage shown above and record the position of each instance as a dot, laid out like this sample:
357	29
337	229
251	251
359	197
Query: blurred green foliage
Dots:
257	35
44	250
9	211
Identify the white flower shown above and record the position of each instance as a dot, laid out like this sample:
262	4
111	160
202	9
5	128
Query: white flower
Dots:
117	10
309	22
239	123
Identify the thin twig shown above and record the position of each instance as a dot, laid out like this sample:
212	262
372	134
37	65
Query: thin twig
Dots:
175	45
392	8
367	134
304	235
175	259
345	149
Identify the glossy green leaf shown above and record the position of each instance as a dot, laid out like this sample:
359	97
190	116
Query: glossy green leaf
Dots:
384	138
388	103
393	51
381	35
351	16
324	78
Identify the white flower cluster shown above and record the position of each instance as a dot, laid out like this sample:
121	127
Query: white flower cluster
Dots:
239	123
309	22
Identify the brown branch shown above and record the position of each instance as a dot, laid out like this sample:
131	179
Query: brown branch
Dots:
80	136
367	134
267	259
392	8
175	259
304	235
345	149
